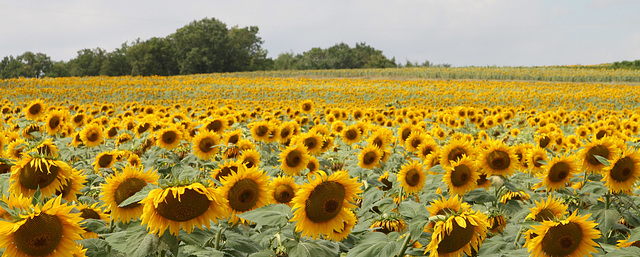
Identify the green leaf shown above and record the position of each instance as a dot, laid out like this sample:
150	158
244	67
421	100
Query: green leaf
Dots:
130	240
195	250
417	225
97	247
96	226
241	242
626	252
606	218
411	209
311	248
264	253
275	214
479	196
137	197
198	236
602	160
376	244
635	235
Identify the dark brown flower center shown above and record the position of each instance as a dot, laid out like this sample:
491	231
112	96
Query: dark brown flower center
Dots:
105	160
88	213
93	136
351	134
190	205
262	131
562	240
54	122
33	177
370	158
128	188
205	145
325	201
458	238
39	236
243	195
544	141
169	137
310	143
413	177
559	171
215	126
225	171
623	169
283	193
545	214
35	109
293	159
460	175
596	150
456	154
498	160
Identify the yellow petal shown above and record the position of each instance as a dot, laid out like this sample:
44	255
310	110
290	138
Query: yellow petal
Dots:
461	222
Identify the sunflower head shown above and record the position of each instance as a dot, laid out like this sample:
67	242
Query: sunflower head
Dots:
204	144
462	176
123	185
92	135
35	109
169	138
551	209
370	157
412	177
558	172
245	190
389	223
30	174
570	237
454	151
624	172
458	233
498	159
294	159
282	189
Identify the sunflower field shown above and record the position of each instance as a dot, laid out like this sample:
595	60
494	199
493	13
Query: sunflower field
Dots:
397	162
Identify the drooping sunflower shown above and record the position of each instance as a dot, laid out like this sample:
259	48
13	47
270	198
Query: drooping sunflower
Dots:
283	189
458	234
604	147
559	171
91	212
72	185
35	109
182	207
342	233
451	205
454	151
294	159
31	173
204	144
92	135
514	196
47	148
322	205
498	159
245	190
497	223
551	209
623	173
389	223
123	185
412	177
50	230
570	237
250	158
462	176
169	137
624	243
29	131
370	157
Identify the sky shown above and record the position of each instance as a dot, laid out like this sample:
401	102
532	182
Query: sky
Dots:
456	32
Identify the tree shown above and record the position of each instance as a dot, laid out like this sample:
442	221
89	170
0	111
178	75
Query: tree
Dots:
116	63
88	62
28	65
155	56
201	46
245	50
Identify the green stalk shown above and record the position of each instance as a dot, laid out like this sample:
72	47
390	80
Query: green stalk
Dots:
405	244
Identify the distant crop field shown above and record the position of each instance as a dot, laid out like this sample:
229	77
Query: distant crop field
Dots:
381	162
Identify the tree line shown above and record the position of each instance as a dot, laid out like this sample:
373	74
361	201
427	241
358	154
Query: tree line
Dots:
203	46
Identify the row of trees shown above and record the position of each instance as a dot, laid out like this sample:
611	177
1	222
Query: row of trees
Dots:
203	46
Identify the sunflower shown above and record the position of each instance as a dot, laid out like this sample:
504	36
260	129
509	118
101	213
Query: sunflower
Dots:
454	151
28	131
623	173
232	137
570	237
282	189
389	223
245	190
13	201
321	206
169	138
91	212
204	144
92	135
497	223
461	177
312	141
16	148
498	159
343	232
337	127
515	196
54	122
426	148
72	186
552	210
351	134
294	159
225	169
48	231
260	130
558	172
134	160
31	173
306	106
448	206
405	131
459	233
215	124
534	158
381	138
35	109
370	157
544	140
46	148
112	131
286	131
313	165
384	179
123	138
105	160
123	185
250	158
624	243
182	207
604	147
412	177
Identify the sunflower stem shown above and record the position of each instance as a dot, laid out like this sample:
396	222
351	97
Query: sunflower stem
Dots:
218	236
405	244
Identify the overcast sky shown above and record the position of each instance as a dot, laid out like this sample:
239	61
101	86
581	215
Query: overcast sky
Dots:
461	33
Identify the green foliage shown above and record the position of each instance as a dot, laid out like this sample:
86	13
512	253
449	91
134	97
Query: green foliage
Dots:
339	56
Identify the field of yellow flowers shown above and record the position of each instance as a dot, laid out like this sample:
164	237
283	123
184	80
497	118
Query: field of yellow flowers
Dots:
397	162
